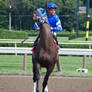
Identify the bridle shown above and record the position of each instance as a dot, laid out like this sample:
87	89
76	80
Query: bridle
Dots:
39	19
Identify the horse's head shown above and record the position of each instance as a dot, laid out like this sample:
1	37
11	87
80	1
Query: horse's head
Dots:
39	15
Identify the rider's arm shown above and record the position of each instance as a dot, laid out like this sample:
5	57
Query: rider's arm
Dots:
58	26
36	27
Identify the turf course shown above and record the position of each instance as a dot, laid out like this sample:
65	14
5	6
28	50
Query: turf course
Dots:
12	64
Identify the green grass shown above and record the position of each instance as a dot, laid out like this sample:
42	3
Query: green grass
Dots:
71	63
32	39
83	39
60	39
13	64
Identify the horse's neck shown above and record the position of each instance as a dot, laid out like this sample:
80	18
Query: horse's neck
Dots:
45	30
45	36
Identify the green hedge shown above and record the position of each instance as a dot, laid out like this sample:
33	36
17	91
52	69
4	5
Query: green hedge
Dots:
18	45
64	33
80	34
74	46
61	33
6	34
30	45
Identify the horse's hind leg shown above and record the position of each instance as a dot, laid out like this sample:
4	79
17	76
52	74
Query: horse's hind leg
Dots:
36	77
58	64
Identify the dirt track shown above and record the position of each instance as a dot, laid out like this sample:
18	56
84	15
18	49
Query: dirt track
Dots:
56	84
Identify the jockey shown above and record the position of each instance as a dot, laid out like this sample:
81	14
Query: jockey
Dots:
53	20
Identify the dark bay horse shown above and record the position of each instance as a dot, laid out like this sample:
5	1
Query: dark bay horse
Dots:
45	55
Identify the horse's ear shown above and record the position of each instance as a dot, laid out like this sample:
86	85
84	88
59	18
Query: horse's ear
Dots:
35	9
43	11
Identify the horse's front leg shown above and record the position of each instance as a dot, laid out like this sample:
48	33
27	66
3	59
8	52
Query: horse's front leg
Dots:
45	89
36	77
49	70
37	88
34	87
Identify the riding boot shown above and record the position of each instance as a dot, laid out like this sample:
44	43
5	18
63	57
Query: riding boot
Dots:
55	37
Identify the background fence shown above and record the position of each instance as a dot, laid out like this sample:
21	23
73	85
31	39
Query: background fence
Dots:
14	60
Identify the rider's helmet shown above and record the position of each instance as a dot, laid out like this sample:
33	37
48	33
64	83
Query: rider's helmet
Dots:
51	5
41	11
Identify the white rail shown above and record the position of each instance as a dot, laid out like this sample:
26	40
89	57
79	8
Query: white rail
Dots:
62	51
71	51
15	42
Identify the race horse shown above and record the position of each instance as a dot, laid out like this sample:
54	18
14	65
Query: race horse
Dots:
45	54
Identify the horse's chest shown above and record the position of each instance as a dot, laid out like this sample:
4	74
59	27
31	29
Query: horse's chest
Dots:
44	61
43	55
44	58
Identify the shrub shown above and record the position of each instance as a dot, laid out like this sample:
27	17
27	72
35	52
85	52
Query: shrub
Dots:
6	34
74	46
80	34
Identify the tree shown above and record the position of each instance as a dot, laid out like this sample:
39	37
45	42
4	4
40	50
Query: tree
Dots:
90	3
68	14
22	12
3	15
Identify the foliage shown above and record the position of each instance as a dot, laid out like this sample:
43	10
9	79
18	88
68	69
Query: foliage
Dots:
3	15
12	64
80	34
90	3
68	14
6	34
22	13
61	33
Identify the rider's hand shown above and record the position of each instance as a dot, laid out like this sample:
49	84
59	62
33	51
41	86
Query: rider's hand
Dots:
51	28
38	29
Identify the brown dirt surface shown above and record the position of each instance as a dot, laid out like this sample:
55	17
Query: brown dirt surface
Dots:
55	84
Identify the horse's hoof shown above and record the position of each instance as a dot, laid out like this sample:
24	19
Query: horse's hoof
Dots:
37	90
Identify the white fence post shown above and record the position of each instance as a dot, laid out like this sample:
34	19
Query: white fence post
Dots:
15	48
